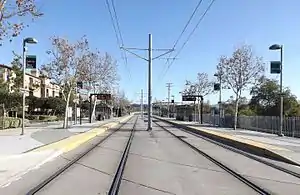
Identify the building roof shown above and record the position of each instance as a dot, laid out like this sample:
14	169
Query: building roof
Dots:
9	67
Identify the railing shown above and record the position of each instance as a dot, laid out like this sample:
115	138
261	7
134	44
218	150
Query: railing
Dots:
267	124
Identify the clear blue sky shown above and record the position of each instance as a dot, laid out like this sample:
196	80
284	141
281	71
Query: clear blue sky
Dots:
228	24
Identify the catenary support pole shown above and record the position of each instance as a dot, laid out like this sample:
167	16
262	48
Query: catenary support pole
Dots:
150	84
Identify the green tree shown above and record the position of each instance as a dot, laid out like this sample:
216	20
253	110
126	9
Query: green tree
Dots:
266	99
18	79
56	104
12	101
4	86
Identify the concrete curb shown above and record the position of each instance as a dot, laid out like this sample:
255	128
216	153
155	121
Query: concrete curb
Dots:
253	149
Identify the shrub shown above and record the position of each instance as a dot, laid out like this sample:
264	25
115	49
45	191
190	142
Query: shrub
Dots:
47	118
10	122
32	117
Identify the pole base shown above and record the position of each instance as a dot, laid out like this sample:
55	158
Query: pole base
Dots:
280	134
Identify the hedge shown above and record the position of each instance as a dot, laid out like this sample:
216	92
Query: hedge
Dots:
10	122
42	118
48	118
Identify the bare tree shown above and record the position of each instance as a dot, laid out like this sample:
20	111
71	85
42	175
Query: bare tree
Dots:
102	70
202	86
240	71
68	60
10	11
106	73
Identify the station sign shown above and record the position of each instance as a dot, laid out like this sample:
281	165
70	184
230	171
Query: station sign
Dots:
275	67
217	87
31	62
103	96
188	98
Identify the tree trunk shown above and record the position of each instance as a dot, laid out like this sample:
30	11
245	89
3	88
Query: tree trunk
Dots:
199	113
65	124
236	112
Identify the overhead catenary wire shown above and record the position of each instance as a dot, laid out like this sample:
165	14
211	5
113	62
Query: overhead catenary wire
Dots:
187	24
117	30
190	35
183	30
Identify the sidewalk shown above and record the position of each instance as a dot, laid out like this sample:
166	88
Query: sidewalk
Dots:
11	142
286	149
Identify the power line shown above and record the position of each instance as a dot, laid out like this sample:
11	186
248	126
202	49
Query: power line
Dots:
118	26
113	22
117	31
184	29
190	35
188	22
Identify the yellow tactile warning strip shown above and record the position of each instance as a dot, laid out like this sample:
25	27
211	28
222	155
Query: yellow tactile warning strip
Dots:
74	141
246	141
241	140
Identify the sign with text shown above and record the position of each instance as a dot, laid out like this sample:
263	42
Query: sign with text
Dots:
188	98
275	67
103	96
31	62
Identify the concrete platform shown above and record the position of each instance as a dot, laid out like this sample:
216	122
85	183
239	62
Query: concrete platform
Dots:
14	166
285	149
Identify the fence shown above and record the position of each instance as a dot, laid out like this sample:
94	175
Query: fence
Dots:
267	124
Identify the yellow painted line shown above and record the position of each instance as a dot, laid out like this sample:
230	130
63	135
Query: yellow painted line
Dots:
246	141
74	141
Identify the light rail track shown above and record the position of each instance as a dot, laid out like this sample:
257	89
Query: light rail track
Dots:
114	189
248	155
119	172
243	179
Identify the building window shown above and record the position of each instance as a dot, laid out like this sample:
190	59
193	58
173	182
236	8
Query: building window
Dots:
31	93
53	93
47	93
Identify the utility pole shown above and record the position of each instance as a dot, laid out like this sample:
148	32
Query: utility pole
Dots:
169	85
142	93
150	84
142	104
149	60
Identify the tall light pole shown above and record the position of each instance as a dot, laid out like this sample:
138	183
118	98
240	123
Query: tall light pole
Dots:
280	47
28	40
173	107
219	76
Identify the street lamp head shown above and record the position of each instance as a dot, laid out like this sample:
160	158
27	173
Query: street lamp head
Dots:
275	47
30	40
216	74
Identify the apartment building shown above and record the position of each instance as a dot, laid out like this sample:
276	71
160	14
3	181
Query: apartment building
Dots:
37	85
